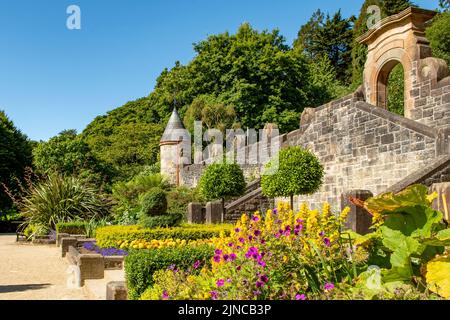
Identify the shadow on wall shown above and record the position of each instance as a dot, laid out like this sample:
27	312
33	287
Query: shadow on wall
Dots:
22	287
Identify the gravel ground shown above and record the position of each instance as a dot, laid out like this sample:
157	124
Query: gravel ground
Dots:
33	272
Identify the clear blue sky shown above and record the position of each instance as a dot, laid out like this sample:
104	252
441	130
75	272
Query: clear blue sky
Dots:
52	78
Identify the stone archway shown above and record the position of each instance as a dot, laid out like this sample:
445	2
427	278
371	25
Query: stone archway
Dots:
396	39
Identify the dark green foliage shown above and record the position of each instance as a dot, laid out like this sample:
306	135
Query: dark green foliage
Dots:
439	36
444	5
299	172
179	198
222	181
141	264
127	138
15	156
154	202
163	221
68	154
395	90
73	227
331	37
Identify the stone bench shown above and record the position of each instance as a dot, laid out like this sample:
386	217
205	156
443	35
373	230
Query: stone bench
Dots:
86	266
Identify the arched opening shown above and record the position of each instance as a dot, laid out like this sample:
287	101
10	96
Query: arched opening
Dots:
391	88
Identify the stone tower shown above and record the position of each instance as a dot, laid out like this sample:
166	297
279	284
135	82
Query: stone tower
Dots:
175	149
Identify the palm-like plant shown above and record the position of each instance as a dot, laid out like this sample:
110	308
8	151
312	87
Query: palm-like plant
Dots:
61	199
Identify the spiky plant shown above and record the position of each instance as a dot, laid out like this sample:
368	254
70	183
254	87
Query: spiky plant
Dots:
60	198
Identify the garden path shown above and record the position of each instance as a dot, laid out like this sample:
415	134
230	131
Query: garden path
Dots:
33	272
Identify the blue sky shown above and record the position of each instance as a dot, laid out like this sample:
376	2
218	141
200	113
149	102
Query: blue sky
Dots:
53	78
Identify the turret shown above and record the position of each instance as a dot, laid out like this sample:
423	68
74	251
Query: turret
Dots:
175	149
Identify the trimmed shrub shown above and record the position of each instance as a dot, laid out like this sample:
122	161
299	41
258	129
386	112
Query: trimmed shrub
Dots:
299	172
154	202
222	181
74	227
165	221
140	265
109	236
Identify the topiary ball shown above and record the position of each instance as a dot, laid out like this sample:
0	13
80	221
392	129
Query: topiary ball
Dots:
154	202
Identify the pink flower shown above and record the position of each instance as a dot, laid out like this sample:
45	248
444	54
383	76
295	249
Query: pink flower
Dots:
217	258
242	240
220	282
218	251
232	256
327	242
237	230
328	286
165	295
300	297
255	218
214	294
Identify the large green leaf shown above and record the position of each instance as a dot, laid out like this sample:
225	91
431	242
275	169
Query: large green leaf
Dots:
389	202
442	238
417	221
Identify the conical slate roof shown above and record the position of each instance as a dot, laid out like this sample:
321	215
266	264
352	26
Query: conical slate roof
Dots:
174	129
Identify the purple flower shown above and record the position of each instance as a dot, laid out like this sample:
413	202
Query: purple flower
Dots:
321	233
257	233
229	280
299	221
264	278
238	268
214	294
218	251
256	293
328	286
259	284
275	211
250	238
165	295
237	230
287	233
263	241
261	263
172	267
231	244
255	218
197	264
300	297
278	221
238	247
232	256
217	258
242	240
226	257
220	283
327	242
277	235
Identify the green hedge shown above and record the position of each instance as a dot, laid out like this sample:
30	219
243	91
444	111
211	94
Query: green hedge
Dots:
164	221
75	227
109	236
140	265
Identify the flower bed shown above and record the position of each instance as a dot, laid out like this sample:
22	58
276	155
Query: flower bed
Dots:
307	255
110	236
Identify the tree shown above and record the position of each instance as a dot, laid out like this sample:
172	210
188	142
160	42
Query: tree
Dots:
213	114
439	36
444	5
222	181
68	154
15	156
292	171
329	37
395	90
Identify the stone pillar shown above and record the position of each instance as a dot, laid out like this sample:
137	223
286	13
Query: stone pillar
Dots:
66	243
59	236
195	213
91	266
214	212
443	190
358	219
116	290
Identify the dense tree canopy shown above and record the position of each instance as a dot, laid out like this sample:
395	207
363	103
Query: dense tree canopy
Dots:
15	156
68	154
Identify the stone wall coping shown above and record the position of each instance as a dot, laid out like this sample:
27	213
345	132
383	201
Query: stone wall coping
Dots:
421	174
394	118
424	14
